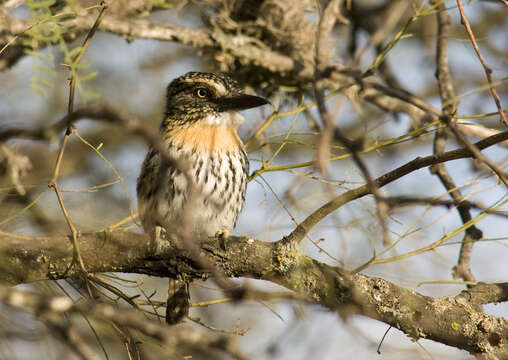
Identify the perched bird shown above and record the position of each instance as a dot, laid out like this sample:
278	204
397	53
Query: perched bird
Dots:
203	191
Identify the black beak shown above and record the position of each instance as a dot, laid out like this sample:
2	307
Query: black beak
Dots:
241	102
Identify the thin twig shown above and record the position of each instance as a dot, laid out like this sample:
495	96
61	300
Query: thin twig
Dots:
378	350
409	98
449	108
329	131
420	162
211	302
397	201
501	174
376	260
69	336
236	331
488	70
53	183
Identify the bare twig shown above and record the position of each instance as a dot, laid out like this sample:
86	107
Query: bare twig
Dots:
235	331
69	335
394	13
488	70
330	131
53	183
475	151
478	131
301	230
409	98
447	93
322	58
397	201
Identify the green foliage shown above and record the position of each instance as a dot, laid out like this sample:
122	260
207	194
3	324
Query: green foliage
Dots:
47	30
44	30
164	4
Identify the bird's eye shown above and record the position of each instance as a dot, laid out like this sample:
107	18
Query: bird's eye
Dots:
202	93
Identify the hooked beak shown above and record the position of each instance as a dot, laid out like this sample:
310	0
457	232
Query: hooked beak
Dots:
241	102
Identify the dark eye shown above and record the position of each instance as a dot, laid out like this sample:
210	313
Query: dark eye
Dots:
201	92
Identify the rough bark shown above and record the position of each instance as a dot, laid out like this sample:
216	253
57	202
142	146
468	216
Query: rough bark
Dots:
449	320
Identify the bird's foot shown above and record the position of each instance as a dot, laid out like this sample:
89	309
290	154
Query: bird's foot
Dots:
222	235
159	233
160	240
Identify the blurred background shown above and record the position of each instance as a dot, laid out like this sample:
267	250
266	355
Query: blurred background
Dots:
132	75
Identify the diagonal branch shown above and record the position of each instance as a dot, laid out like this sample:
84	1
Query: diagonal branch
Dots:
488	70
420	162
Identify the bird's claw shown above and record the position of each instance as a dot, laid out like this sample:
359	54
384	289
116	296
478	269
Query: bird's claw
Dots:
222	235
159	233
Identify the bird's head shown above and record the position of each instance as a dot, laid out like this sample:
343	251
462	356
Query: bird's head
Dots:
210	98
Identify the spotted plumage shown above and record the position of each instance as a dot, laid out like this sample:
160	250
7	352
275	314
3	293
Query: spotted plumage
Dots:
200	131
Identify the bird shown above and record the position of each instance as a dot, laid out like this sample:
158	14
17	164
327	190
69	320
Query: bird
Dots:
201	192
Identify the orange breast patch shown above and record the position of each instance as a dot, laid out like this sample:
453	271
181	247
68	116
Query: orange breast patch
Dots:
207	138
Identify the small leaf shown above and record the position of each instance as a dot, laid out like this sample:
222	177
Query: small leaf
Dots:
36	5
90	95
89	76
46	70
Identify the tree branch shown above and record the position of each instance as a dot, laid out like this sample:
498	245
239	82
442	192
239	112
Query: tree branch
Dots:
449	107
449	320
420	162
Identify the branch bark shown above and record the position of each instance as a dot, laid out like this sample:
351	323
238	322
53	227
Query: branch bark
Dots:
449	320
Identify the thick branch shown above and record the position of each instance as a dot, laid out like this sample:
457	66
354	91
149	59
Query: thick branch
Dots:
448	320
14	30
